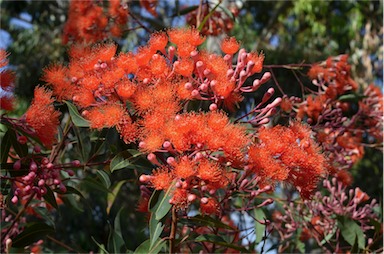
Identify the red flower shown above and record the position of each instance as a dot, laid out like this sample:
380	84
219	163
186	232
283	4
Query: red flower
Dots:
288	154
43	117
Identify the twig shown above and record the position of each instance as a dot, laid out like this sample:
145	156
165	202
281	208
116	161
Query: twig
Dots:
17	217
61	244
276	82
172	235
139	22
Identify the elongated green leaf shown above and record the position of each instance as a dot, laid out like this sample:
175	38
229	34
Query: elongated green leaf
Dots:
300	246
259	228
83	143
95	185
70	190
77	119
155	229
71	201
351	232
200	220
32	233
219	241
124	159
45	214
208	16
152	203
115	239
5	146
104	178
351	97
145	249
50	197
162	206
112	195
20	149
227	11
101	246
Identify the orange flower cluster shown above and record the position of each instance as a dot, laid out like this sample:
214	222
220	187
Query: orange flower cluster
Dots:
94	80
212	134
156	81
101	83
203	136
288	154
89	22
193	179
43	117
6	82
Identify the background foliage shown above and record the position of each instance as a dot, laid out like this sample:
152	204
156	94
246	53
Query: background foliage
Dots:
286	31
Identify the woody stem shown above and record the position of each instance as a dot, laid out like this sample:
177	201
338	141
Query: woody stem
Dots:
18	216
172	235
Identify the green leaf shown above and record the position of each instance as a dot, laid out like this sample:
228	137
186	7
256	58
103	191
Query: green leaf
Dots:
50	197
5	146
83	143
95	185
160	206
351	232
32	233
208	16
70	190
115	239
45	214
20	149
227	11
104	178
300	246
351	97
219	241
70	200
259	228
144	247
77	119
329	236
101	246
155	229
124	159
112	195
200	220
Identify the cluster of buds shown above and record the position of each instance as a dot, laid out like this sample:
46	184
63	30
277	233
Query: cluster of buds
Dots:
41	174
317	218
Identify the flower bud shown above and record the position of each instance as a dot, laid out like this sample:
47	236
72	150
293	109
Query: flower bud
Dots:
22	139
213	107
14	199
204	200
41	182
171	161
17	165
144	178
191	197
